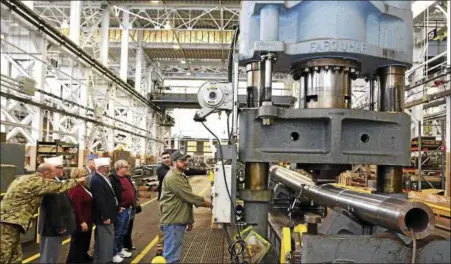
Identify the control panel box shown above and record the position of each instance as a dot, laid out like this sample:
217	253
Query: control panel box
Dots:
222	208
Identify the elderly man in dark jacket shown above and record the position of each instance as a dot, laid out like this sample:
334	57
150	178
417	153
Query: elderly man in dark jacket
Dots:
56	218
104	209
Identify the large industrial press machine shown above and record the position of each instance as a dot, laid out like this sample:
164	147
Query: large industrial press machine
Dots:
324	45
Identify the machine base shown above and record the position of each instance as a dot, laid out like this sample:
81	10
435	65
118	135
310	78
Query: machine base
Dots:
326	136
348	240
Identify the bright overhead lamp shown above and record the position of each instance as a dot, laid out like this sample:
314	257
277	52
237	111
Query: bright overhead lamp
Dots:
188	73
154	1
167	26
183	61
65	24
175	46
157	27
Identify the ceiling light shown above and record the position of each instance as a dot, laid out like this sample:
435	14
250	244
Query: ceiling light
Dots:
65	24
188	73
183	61
157	27
167	26
175	46
154	1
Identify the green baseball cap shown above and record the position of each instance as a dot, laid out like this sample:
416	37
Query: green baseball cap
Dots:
179	155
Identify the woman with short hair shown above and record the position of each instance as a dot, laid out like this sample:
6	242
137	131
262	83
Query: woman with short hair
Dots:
81	237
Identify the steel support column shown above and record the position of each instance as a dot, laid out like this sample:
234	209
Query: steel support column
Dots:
75	21
111	91
104	39
124	47
139	60
74	35
39	75
448	109
111	112
139	88
448	146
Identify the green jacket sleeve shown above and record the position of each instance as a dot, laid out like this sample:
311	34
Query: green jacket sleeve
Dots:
183	191
45	186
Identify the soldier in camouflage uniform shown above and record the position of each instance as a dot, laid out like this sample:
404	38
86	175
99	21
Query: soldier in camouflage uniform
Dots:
21	202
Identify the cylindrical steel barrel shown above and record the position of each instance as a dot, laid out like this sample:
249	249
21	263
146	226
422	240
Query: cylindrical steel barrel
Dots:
327	81
394	214
391	99
255	89
255	202
268	79
256	176
391	83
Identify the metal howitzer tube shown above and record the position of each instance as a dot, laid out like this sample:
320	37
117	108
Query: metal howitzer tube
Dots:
391	213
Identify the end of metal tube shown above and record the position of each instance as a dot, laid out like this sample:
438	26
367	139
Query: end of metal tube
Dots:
419	218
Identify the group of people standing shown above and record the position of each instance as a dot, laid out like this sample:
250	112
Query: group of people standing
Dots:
91	197
109	203
94	198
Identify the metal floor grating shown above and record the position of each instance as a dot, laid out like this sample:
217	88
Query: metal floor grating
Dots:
203	245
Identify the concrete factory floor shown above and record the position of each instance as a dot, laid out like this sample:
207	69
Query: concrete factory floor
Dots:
145	229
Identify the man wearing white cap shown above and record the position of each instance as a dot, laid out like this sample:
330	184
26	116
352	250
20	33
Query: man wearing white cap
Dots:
104	210
56	218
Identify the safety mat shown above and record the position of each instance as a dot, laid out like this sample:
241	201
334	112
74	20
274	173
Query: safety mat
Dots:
204	245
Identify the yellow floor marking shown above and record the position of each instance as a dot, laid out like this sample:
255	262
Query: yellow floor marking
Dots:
151	200
145	250
38	255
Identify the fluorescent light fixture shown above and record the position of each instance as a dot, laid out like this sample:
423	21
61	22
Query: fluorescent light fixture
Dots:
175	46
157	27
188	73
65	24
154	1
183	61
167	26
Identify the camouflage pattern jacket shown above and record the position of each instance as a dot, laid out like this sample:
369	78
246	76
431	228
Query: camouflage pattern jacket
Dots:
24	196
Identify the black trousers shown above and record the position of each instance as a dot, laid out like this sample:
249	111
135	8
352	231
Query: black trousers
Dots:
128	237
79	246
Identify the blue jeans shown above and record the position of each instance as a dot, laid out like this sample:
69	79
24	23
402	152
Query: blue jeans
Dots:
120	229
173	241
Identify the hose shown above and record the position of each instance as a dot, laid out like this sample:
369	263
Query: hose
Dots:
414	247
231	51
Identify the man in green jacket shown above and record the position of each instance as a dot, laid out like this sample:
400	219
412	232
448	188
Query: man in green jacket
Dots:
176	207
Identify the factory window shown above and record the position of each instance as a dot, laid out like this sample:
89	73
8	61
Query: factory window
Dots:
207	147
191	146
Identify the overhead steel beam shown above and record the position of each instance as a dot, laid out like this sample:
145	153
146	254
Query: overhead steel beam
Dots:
86	119
30	16
179	5
434	104
428	79
432	97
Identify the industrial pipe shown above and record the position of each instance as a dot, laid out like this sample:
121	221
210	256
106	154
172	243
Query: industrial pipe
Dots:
394	214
